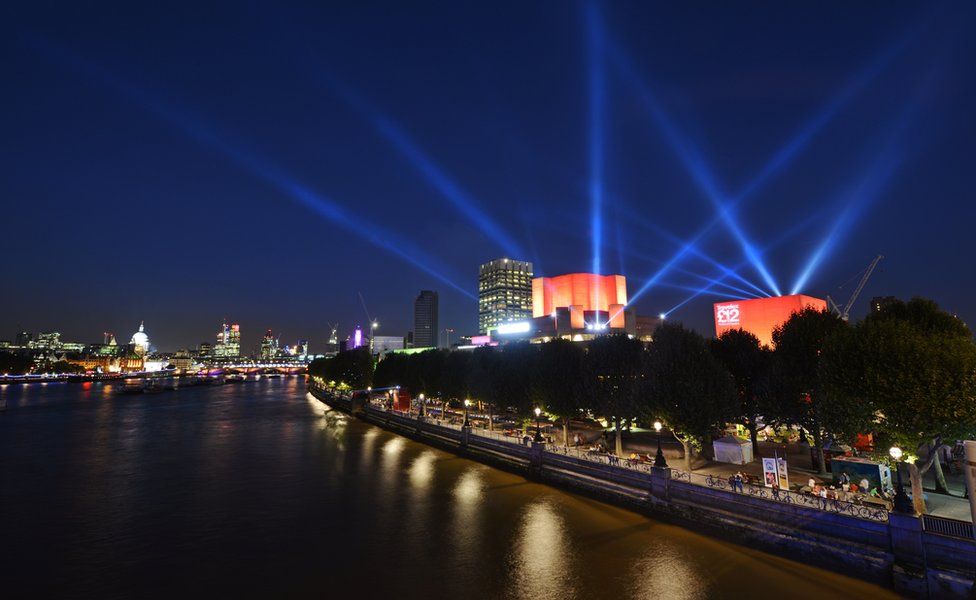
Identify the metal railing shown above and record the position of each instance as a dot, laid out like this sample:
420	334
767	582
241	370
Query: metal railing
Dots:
947	527
853	509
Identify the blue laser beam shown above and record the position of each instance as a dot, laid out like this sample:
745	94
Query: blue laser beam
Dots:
197	129
700	291
634	216
785	235
803	136
447	186
595	84
725	271
868	189
692	160
435	175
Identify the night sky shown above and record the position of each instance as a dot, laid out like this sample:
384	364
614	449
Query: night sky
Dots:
182	163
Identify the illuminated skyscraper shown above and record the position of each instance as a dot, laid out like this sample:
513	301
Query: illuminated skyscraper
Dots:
504	293
228	340
269	346
425	320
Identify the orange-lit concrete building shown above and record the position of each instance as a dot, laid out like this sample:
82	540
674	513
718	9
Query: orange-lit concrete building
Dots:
760	316
579	291
577	306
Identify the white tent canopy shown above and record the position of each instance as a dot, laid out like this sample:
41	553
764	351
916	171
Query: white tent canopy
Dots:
732	450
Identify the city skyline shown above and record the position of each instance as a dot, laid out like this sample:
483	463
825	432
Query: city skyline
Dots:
274	181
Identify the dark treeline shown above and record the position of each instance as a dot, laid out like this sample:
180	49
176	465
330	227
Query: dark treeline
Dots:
906	374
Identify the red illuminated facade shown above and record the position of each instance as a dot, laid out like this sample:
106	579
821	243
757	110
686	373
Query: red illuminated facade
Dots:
760	316
580	292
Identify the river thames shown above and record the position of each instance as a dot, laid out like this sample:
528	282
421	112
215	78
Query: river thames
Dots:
256	489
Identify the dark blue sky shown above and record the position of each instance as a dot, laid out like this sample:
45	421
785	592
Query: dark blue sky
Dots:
185	163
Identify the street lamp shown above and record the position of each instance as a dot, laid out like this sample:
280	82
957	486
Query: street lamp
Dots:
538	425
467	405
902	503
423	405
659	459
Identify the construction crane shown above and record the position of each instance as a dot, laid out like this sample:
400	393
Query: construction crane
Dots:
845	313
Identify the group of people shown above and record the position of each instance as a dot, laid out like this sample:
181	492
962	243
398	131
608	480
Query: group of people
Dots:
847	490
737	482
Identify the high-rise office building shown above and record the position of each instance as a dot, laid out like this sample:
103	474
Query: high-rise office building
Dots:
504	293
425	320
48	340
269	346
228	340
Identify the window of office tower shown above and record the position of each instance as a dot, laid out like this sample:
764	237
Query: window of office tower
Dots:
504	292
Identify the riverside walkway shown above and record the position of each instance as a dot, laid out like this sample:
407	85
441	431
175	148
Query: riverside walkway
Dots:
918	555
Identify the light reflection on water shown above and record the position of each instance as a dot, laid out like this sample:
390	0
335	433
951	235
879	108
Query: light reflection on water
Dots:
665	572
422	471
468	497
542	566
257	489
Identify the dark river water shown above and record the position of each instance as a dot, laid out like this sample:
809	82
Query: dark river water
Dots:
257	490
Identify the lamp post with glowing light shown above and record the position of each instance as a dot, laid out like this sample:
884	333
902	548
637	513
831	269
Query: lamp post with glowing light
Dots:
659	460
538	425
372	333
467	407
423	405
902	503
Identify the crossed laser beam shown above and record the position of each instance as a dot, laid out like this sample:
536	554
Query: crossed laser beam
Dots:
697	168
425	165
785	235
693	161
866	191
573	222
657	229
201	132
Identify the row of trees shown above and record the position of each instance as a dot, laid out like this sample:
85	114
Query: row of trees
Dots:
907	374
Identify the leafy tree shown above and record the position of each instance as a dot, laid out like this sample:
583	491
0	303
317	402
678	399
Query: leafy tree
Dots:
687	387
798	392
512	375
613	374
914	367
454	380
558	383
480	384
15	364
352	367
430	367
63	366
397	370
748	362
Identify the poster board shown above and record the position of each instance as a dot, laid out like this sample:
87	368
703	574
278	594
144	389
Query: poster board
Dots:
776	471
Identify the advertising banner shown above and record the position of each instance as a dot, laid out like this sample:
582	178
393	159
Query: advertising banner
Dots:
770	475
775	471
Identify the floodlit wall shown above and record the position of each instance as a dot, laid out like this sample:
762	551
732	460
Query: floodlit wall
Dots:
760	316
584	290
